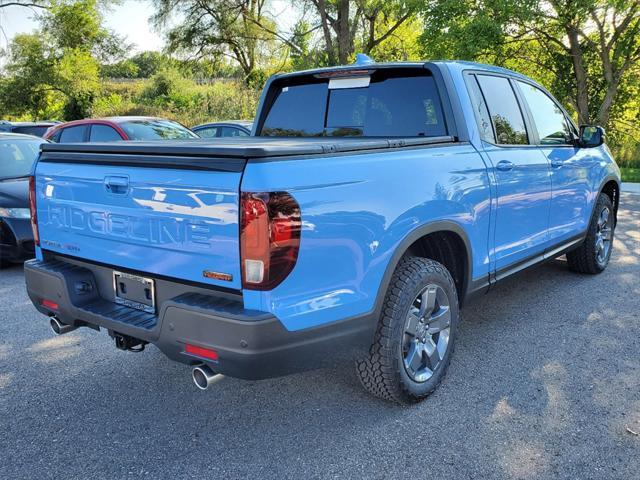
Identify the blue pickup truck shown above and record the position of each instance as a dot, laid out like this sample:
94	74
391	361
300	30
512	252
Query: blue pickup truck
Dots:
371	203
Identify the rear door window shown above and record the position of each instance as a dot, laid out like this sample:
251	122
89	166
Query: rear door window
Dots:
389	104
208	132
73	134
233	132
506	116
104	133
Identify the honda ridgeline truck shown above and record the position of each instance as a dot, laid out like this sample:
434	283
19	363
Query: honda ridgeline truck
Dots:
371	202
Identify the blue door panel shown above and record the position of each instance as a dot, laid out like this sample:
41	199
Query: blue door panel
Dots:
574	177
523	203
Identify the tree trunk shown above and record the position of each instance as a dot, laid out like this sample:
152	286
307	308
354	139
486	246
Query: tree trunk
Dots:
582	93
345	42
326	30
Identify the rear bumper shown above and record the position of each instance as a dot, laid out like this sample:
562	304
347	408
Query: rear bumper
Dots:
16	239
250	344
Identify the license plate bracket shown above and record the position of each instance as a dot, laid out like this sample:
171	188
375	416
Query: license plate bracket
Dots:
134	291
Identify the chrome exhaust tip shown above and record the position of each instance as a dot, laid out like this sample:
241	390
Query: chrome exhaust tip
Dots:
203	376
60	328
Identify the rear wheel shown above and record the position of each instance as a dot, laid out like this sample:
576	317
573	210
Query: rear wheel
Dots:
594	254
416	333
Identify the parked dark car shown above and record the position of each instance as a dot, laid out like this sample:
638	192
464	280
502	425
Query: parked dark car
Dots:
231	128
39	129
17	156
114	129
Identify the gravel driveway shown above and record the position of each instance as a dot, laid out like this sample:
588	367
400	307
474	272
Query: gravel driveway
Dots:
545	383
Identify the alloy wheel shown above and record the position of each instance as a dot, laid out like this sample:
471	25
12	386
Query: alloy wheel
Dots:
426	333
604	236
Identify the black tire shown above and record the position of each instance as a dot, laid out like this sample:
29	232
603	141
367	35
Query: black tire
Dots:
383	372
586	258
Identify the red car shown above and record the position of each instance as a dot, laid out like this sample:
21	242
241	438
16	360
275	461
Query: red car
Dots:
117	129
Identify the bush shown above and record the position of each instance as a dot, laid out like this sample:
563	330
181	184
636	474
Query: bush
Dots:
169	96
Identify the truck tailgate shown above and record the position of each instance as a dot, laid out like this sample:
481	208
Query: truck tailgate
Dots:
160	218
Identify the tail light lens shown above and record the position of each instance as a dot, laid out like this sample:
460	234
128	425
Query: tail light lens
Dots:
34	211
269	238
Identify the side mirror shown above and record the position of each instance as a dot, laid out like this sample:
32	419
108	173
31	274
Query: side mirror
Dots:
591	136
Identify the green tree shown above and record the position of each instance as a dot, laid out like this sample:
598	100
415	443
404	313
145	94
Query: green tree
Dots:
77	76
362	25
150	63
29	82
70	24
60	60
122	69
238	29
585	50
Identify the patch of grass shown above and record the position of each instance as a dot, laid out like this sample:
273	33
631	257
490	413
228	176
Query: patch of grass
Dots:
630	174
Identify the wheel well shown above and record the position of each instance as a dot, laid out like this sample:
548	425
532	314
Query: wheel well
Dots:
612	190
449	249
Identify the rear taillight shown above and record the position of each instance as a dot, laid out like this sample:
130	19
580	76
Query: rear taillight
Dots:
269	238
34	211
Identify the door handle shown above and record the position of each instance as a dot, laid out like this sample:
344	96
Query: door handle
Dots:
505	165
557	163
116	184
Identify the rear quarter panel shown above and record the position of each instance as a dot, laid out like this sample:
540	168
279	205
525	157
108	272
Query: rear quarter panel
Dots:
356	210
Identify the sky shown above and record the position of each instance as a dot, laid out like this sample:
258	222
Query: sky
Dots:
129	19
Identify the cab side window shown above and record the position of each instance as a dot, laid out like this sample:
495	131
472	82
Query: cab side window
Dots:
104	133
73	134
506	116
551	123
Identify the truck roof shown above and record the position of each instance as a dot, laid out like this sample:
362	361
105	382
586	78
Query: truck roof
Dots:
453	64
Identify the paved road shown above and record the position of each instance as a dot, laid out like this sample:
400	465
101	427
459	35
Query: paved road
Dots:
544	383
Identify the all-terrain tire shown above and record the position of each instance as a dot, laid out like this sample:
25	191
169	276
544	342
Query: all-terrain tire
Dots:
382	372
584	259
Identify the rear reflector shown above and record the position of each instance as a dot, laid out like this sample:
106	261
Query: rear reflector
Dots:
201	352
49	304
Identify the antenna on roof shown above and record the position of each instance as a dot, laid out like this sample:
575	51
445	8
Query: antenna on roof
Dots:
362	59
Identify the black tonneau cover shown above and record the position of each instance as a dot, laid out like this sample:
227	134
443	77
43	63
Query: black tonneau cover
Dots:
222	154
245	147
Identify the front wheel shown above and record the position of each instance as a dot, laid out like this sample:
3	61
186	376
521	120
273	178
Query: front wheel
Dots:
416	333
594	254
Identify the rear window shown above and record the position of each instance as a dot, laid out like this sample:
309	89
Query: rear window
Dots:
37	130
17	157
393	104
156	130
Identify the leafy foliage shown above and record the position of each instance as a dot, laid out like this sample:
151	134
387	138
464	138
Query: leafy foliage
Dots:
220	53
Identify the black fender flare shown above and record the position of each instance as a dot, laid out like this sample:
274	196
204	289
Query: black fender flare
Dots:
408	240
616	201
